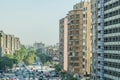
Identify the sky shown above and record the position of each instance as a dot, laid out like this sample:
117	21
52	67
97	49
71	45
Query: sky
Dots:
34	20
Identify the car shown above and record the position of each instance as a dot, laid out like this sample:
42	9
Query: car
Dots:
41	78
26	78
1	76
14	78
41	71
47	74
54	74
1	71
7	78
31	78
31	75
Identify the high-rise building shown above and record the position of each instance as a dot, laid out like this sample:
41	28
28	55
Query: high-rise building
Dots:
105	39
63	39
77	40
97	41
111	39
8	44
94	39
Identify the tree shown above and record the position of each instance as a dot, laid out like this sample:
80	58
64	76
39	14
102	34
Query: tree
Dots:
9	56
23	52
47	63
6	62
20	54
57	67
9	60
48	58
44	58
17	56
30	57
71	78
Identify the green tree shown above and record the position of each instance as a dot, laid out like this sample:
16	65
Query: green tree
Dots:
20	54
47	63
9	60
17	56
23	52
71	78
9	56
57	67
30	57
48	58
6	62
44	58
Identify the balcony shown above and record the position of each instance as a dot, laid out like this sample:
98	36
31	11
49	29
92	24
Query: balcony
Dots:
99	50
84	56
100	43
76	61
100	35
84	62
99	5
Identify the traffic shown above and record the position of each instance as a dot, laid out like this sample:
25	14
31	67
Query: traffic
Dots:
31	72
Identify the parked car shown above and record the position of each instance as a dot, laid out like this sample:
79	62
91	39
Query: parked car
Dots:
41	78
47	74
54	74
1	71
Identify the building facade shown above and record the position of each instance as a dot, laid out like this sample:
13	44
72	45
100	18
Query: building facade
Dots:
63	39
77	51
93	39
40	47
8	44
105	40
111	39
79	38
52	50
97	30
97	40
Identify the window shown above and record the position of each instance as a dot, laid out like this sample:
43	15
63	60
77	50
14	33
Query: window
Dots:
99	39
83	15
77	15
99	54
70	54
112	5
76	54
99	47
71	37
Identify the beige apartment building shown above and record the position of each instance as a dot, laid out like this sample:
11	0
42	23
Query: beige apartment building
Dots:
63	39
8	43
77	42
79	38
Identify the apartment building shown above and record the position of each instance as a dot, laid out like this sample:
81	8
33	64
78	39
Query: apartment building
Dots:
97	40
79	39
63	39
75	39
111	39
8	43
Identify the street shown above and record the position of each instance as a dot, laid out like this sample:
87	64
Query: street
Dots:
27	74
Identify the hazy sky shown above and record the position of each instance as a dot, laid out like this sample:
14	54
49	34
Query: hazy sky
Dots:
34	20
